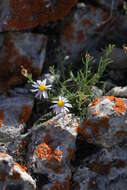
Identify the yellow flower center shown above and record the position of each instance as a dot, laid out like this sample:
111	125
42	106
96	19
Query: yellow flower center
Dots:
42	87
60	103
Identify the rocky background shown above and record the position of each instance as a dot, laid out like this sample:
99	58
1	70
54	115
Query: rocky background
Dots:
61	153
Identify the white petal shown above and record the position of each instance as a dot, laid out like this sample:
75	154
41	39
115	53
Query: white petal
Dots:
57	110
68	105
34	90
62	110
60	97
53	106
37	94
35	85
48	87
45	95
65	100
66	109
54	101
39	82
44	81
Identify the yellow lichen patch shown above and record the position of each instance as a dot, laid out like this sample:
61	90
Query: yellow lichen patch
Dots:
1	117
44	151
25	113
120	105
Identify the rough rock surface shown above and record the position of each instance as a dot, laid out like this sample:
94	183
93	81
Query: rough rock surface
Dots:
105	124
20	15
51	148
15	111
13	176
105	170
109	4
18	49
118	91
83	30
119	58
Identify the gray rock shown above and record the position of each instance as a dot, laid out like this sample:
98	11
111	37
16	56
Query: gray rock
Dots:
118	91
15	111
82	31
51	148
96	91
119	57
105	124
105	170
110	4
26	15
13	176
20	49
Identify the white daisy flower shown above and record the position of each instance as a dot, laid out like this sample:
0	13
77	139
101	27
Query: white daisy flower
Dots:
61	105
41	88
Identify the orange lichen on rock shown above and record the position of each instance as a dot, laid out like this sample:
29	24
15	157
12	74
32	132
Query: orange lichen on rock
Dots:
60	186
3	176
44	151
120	105
28	14
10	71
69	32
25	113
1	117
95	102
93	127
103	169
15	176
22	168
80	36
87	22
76	129
71	154
121	134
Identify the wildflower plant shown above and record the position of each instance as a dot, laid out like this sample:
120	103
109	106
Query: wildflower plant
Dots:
77	87
74	91
61	105
41	88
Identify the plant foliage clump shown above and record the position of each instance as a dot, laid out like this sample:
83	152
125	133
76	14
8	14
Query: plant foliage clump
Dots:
77	88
